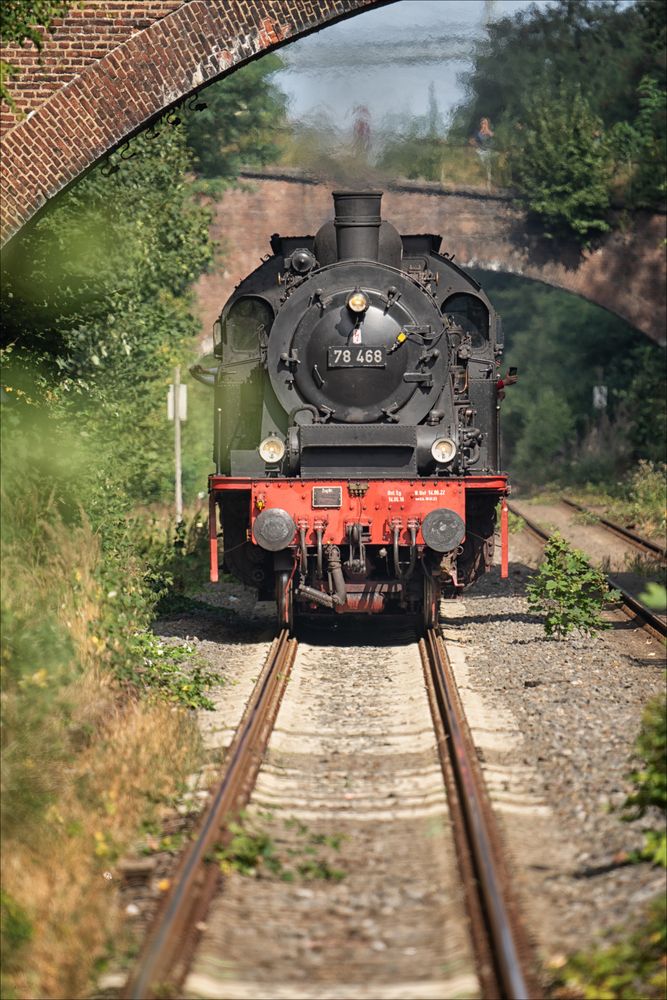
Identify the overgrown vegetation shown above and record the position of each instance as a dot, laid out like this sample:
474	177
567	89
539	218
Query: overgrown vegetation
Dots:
96	309
633	968
649	796
567	591
638	500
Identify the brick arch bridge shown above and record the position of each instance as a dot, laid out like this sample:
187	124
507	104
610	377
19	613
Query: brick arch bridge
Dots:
112	66
625	274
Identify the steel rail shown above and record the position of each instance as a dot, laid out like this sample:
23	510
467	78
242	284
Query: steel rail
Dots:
502	949
625	533
174	929
630	606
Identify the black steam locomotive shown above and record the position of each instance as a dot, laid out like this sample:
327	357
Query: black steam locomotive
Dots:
356	423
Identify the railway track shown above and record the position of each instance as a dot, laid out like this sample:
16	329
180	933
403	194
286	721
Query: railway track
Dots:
172	938
500	950
634	609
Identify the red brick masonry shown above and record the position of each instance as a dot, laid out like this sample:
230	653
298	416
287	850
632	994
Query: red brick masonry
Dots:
625	274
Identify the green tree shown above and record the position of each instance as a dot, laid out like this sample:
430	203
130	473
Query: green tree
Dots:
561	164
96	306
239	125
611	55
563	346
643	406
601	46
641	147
543	446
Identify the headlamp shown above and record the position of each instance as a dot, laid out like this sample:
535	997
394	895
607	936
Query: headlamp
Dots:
443	450
271	449
357	302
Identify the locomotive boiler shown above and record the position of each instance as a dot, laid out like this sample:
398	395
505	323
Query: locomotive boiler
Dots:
356	422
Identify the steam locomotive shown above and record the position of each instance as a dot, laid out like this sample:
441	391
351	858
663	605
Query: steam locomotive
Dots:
356	422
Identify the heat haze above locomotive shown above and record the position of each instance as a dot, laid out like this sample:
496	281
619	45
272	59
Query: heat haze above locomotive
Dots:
356	422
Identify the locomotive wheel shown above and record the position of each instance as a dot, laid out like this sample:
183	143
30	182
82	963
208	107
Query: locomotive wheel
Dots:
431	603
285	601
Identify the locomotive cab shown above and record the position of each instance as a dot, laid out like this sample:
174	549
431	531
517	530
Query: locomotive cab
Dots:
355	421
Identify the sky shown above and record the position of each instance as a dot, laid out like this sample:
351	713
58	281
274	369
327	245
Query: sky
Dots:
386	59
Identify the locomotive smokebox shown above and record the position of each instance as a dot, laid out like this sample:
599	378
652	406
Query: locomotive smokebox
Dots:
357	221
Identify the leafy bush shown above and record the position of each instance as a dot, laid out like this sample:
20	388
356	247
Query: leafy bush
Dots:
567	591
650	781
632	969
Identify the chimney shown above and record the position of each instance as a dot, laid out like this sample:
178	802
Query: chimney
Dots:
357	221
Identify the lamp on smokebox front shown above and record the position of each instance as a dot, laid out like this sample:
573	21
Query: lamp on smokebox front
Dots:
271	449
357	302
443	450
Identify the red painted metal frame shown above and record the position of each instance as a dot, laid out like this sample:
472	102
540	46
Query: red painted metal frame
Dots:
504	541
213	537
385	503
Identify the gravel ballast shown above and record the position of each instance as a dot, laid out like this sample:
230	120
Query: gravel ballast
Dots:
555	724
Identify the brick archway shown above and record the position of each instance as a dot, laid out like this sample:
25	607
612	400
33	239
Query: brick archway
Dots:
112	66
625	274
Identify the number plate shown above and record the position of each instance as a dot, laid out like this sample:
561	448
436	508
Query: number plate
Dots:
356	356
327	496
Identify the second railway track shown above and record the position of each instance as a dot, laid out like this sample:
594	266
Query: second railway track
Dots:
638	541
389	751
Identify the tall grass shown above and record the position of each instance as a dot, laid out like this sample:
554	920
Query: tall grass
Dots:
86	756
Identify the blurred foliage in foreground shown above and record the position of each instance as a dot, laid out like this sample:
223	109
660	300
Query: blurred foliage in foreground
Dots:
96	308
649	778
630	969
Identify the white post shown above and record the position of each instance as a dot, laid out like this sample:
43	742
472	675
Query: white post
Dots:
177	443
